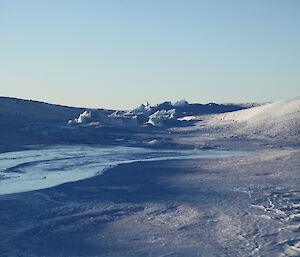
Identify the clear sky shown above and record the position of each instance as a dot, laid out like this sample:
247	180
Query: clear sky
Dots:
121	53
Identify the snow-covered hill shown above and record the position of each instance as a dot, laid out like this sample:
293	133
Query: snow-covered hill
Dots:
15	109
278	119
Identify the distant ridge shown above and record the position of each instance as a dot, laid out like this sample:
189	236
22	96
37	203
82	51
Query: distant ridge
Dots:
31	110
14	108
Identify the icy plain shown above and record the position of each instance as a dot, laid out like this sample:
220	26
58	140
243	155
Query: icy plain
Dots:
215	206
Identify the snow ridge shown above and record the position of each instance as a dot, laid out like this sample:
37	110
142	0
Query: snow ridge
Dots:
278	119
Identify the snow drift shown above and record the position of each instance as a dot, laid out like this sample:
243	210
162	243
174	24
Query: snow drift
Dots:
278	119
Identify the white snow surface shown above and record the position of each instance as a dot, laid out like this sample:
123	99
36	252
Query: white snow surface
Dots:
278	119
239	206
84	117
160	118
143	108
160	115
181	103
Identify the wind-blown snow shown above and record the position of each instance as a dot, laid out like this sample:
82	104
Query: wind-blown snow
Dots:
279	119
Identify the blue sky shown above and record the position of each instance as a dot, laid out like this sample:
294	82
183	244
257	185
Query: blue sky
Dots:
119	54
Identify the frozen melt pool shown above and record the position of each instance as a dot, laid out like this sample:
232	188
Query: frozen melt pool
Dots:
47	167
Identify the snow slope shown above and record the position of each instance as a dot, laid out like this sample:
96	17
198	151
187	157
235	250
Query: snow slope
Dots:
278	119
15	109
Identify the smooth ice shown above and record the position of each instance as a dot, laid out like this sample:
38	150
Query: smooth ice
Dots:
43	168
